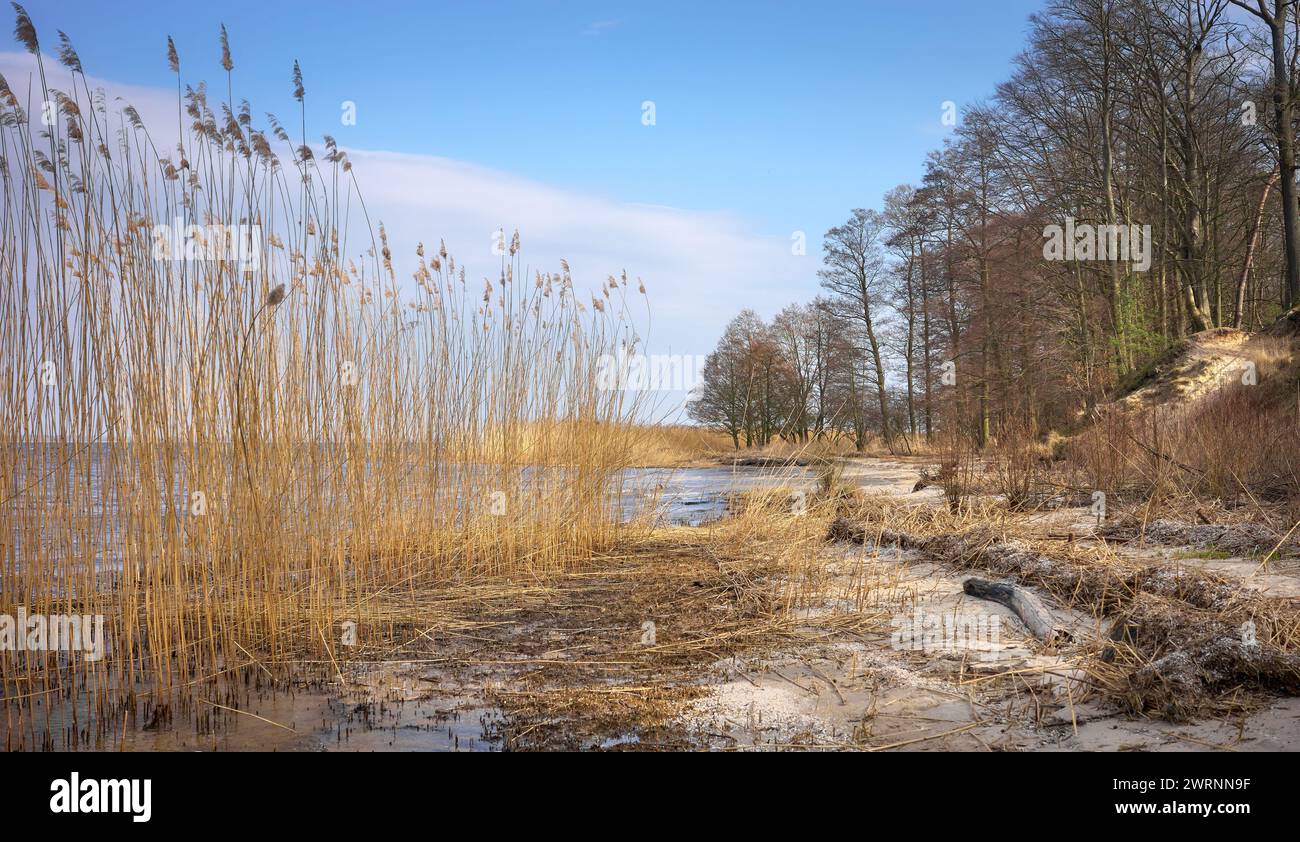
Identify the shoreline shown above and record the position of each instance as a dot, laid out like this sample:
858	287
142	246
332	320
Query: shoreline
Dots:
765	637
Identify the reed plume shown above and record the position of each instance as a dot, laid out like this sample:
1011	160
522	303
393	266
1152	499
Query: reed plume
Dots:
228	454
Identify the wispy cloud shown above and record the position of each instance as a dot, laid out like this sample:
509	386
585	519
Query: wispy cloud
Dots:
700	267
599	27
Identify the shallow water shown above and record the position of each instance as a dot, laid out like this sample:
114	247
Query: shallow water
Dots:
321	721
381	713
695	496
378	710
686	496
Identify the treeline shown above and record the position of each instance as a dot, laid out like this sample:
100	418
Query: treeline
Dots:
1133	182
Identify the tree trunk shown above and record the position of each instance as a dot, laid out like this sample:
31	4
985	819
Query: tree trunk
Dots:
1282	110
1252	243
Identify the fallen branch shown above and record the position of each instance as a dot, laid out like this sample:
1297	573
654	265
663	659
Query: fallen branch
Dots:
1103	588
1181	639
1026	605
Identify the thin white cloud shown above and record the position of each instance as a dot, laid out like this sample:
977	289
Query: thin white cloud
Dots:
700	267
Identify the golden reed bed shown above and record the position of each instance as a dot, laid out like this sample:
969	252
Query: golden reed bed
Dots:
227	423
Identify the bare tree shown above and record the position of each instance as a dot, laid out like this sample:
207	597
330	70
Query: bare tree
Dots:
852	274
1276	19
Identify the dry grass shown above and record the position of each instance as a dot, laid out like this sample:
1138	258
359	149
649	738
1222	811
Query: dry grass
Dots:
1016	461
838	445
572	666
228	459
1175	644
1235	445
671	445
960	469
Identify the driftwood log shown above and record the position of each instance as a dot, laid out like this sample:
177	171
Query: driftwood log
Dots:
1099	588
1179	644
1023	602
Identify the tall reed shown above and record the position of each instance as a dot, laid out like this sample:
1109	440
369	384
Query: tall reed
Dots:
228	457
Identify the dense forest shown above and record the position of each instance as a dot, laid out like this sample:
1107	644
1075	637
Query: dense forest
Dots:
1131	183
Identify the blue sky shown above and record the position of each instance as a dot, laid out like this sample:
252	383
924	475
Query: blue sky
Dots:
789	113
771	118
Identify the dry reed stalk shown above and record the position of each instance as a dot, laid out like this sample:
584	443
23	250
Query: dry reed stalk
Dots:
228	458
